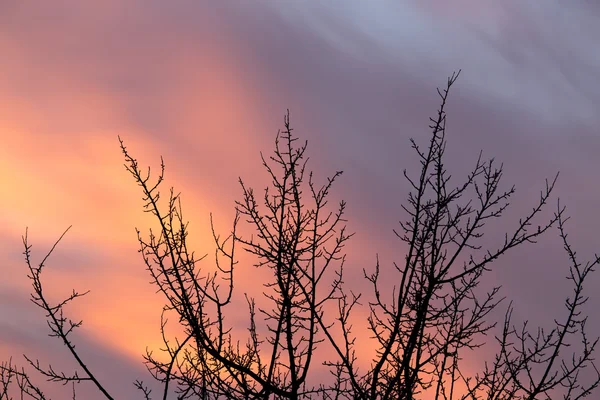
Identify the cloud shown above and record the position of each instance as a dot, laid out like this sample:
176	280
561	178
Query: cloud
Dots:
206	86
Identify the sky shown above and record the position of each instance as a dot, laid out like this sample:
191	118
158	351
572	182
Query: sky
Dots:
206	85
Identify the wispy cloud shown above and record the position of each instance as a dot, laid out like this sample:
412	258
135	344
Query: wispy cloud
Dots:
206	86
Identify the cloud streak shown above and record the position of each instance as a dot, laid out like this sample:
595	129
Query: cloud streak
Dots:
206	86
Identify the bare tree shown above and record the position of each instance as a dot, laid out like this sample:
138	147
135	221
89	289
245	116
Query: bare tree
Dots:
296	238
422	329
434	313
60	327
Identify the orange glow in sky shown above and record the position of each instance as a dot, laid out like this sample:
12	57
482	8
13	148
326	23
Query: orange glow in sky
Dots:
206	87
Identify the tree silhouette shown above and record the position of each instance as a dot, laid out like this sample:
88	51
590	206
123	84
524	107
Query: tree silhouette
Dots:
434	313
422	329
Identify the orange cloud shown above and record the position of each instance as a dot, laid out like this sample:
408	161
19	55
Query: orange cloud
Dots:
63	104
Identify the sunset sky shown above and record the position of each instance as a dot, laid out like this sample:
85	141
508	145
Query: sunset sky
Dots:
206	84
